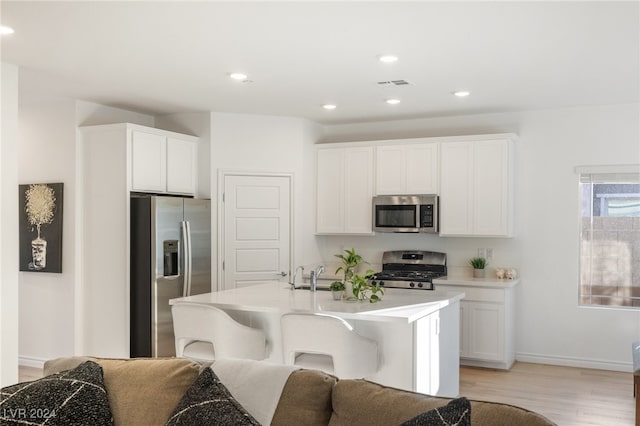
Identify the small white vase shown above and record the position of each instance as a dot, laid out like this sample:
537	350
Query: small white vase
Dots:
478	273
348	290
38	254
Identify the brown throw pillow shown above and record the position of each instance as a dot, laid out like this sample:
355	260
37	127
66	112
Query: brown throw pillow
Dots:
305	400
144	391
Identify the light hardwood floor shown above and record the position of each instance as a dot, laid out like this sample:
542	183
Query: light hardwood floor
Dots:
568	396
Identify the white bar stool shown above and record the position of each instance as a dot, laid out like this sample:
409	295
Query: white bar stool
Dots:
327	343
204	333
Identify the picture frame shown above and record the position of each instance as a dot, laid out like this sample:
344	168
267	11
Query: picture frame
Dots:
40	222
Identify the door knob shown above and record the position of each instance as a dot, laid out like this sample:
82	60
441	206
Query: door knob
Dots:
282	274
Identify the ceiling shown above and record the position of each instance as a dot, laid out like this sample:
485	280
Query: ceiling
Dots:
166	57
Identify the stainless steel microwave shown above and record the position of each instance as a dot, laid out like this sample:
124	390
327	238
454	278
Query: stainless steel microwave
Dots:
405	213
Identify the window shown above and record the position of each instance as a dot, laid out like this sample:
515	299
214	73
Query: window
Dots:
610	236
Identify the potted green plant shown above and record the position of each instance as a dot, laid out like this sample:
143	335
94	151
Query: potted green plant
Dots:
337	289
357	286
362	290
478	264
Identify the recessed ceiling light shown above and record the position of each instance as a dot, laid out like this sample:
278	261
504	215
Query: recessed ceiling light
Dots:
6	30
393	101
238	76
387	58
329	106
461	93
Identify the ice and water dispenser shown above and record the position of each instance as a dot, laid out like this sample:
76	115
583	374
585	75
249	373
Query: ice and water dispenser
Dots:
170	250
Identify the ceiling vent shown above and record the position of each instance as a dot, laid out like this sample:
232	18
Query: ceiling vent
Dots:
394	82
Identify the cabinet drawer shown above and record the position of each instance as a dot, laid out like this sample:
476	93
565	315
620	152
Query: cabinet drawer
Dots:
495	295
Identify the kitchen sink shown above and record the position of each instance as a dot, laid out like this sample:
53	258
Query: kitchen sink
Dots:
307	287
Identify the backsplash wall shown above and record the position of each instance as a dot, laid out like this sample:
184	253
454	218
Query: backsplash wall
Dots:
458	250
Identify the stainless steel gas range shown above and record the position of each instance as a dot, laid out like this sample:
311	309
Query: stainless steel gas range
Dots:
411	269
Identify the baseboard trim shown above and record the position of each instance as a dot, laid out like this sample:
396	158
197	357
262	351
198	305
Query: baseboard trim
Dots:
597	364
27	361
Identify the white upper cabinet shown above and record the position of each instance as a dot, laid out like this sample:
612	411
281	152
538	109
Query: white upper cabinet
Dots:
149	162
407	169
476	188
330	191
181	166
344	189
163	162
473	175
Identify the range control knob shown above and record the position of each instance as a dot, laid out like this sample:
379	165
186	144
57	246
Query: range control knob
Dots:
412	285
420	284
380	283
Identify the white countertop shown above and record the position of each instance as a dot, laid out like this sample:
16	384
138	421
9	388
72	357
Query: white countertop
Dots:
274	296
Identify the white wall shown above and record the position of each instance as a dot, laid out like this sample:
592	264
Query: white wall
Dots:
46	153
254	143
551	327
48	302
92	114
9	225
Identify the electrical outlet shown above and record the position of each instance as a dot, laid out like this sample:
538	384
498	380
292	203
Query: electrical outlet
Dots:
489	254
482	253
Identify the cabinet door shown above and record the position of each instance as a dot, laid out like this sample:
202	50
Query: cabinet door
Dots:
456	174
422	169
491	189
181	166
475	189
464	329
358	185
407	169
330	167
148	162
390	170
485	331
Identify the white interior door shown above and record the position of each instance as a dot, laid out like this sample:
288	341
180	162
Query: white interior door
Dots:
257	230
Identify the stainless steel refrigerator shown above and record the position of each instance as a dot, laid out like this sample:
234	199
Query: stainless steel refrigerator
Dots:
170	258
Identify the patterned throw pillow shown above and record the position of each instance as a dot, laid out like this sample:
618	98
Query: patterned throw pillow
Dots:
72	397
208	402
456	413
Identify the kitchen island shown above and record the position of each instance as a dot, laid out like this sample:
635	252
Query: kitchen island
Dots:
417	331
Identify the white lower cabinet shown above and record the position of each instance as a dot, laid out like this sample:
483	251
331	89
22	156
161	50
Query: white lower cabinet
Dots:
483	331
487	324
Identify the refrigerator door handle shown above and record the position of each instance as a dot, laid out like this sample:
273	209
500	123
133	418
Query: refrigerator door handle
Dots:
188	258
185	256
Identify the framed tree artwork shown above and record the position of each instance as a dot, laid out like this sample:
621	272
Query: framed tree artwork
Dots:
40	221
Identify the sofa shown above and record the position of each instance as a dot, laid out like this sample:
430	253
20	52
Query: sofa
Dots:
161	391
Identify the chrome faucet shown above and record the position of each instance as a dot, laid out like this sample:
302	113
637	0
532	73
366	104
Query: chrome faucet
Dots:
292	283
313	278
